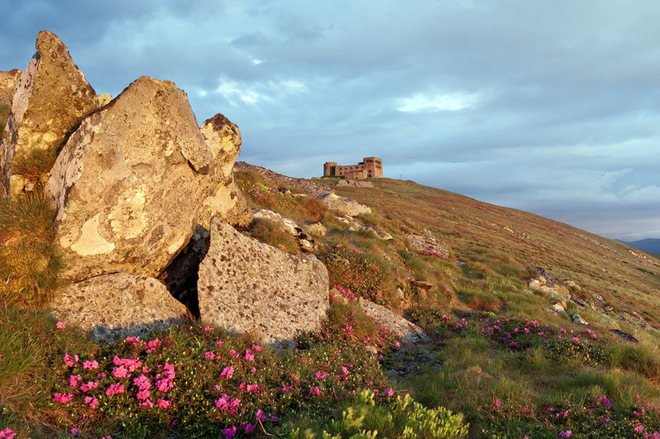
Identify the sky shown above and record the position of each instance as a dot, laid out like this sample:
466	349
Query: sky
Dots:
549	106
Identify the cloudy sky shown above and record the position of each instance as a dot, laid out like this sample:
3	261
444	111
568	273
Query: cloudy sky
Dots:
548	106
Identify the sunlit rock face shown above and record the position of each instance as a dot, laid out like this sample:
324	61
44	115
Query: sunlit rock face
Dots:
51	98
247	286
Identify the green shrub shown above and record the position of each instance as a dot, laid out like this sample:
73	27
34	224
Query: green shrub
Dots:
401	418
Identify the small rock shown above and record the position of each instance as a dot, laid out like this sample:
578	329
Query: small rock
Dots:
624	335
575	318
558	308
344	205
421	284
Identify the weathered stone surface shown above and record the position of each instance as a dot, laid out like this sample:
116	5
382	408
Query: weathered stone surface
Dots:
624	335
8	81
379	232
117	304
51	98
575	318
226	200
129	182
246	286
551	290
344	205
402	328
428	243
422	284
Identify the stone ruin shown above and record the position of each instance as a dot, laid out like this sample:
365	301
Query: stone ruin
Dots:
369	167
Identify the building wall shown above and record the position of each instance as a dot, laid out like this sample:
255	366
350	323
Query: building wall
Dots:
370	167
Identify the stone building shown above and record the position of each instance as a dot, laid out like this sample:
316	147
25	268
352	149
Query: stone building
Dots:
370	167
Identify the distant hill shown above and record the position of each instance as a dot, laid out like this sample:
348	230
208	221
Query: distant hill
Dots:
648	245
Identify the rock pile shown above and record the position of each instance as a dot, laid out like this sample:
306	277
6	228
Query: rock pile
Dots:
142	195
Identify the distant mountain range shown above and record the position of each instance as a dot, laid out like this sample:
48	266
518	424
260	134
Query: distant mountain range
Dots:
648	245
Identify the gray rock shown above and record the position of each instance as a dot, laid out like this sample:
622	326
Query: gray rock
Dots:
427	242
117	305
247	286
575	318
624	335
344	205
407	331
51	98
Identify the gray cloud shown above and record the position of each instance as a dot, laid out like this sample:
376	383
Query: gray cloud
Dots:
546	106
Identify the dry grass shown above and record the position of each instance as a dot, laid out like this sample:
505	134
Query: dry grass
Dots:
29	262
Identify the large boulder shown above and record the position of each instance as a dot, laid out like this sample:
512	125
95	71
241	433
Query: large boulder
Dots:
129	181
247	286
117	304
8	81
51	98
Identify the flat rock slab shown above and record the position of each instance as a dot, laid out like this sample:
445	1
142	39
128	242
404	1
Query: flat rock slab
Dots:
407	331
117	304
247	286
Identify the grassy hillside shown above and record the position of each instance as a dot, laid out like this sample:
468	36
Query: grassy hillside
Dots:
627	279
501	361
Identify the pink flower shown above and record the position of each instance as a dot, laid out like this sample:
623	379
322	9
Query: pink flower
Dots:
164	403
566	433
227	403
250	428
90	364
249	356
344	370
321	375
260	416
389	392
256	347
229	432
120	372
146	403
142	382
114	389
208	328
92	401
639	428
62	398
252	387
69	360
315	391
164	385
210	355
60	325
219	343
227	372
74	380
75	431
152	345
143	394
7	433
84	387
